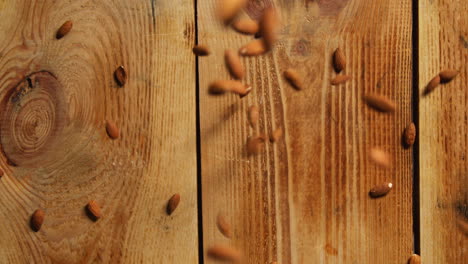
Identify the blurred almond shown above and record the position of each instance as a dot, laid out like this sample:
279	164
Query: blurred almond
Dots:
432	84
294	78
253	115
447	75
173	203
223	225
269	25
340	79
414	259
380	103
94	210
112	130
339	60
234	64
246	26
224	253
255	144
201	50
253	48
410	134
64	29
380	157
276	135
223	86
228	9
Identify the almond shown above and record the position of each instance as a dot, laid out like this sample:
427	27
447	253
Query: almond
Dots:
255	145
253	115
224	86
340	79
293	78
380	103
253	48
339	61
246	92
234	64
94	211
37	219
64	29
269	25
380	190
414	259
201	50
173	203
112	130
223	226
276	135
120	76
224	253
447	75
1	173
410	134
228	9
432	84
246	26
380	157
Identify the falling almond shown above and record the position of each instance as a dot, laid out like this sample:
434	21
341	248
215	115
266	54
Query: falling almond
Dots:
253	115
223	86
447	75
380	103
414	259
380	190
94	210
224	253
112	130
173	203
246	26
339	61
223	225
380	157
432	84
228	9
253	48
276	135
37	219
201	50
234	64
269	25
340	79
293	78
64	29
410	135
255	144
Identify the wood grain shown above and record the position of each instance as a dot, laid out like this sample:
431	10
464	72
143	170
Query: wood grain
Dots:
56	96
443	44
305	199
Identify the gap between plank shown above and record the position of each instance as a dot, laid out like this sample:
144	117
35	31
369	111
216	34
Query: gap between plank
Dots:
197	118
415	116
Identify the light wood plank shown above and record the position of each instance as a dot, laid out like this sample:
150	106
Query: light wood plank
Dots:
443	44
305	199
63	155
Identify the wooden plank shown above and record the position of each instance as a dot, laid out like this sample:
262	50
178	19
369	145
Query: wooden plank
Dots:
305	199
443	44
55	131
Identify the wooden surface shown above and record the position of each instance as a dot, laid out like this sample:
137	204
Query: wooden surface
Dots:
443	44
305	199
54	131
